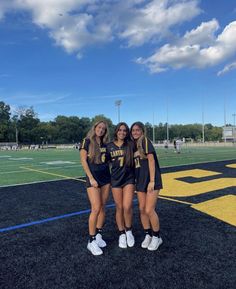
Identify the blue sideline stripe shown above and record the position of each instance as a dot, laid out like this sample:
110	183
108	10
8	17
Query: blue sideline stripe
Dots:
49	219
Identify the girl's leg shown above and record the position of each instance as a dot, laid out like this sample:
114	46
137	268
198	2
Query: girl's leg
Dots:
150	210
128	194
104	196
143	216
95	199
118	199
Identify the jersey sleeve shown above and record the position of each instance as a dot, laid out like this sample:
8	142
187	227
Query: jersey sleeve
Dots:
85	144
148	146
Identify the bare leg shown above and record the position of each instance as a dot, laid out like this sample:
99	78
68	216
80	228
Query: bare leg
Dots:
118	198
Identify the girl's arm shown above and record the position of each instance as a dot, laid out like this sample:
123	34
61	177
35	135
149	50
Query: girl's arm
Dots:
83	157
151	166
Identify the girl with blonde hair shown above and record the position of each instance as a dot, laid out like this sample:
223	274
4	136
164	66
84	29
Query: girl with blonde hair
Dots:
93	153
148	185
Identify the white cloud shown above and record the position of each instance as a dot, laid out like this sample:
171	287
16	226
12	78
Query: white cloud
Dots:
156	18
227	68
76	24
192	50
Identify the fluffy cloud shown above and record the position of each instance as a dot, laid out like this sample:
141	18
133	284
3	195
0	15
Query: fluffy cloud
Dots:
156	18
198	48
76	24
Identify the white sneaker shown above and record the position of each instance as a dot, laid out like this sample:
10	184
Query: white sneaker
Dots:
122	241
94	249
99	240
130	238
155	243
146	242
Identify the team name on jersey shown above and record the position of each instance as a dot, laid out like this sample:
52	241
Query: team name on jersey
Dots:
117	153
103	150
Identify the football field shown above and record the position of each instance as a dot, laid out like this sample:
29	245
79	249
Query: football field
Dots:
44	214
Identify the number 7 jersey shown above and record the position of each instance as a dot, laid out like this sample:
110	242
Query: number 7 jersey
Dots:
121	174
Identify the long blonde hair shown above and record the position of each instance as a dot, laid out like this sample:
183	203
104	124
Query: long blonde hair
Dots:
139	142
94	147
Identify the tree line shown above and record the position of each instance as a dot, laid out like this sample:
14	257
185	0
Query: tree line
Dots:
24	127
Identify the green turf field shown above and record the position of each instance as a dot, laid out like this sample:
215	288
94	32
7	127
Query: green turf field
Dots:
25	166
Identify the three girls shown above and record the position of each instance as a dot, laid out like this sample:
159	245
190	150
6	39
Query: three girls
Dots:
124	156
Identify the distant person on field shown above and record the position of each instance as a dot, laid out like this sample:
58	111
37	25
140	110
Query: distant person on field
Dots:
166	145
178	145
175	145
94	161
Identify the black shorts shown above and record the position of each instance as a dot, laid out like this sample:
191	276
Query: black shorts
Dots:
123	180
142	185
103	177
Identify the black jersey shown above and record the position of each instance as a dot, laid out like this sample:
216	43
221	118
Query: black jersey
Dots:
142	174
100	172
121	174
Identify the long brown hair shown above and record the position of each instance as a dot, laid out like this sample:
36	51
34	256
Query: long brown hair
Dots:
139	142
128	149
94	146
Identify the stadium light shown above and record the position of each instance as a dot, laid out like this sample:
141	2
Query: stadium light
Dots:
153	129
167	121
203	125
118	103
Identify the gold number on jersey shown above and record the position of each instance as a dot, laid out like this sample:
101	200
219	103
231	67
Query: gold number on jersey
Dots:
121	160
137	162
103	158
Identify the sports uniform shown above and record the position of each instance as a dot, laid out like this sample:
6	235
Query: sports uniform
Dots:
121	174
142	174
100	172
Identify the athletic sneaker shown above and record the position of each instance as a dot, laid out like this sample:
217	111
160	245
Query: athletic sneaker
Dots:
99	240
130	238
155	243
94	249
122	241
147	240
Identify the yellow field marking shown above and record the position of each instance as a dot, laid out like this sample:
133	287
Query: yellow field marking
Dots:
174	200
222	208
177	188
52	174
233	166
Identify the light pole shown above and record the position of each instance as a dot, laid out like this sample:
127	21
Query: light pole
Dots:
234	114
118	103
224	119
167	122
153	129
203	129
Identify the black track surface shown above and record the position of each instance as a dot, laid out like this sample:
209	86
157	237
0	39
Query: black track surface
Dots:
198	250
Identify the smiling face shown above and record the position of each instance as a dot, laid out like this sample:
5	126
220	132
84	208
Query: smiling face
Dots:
100	129
121	133
136	132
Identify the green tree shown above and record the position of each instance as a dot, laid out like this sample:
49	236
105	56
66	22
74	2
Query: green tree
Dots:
4	121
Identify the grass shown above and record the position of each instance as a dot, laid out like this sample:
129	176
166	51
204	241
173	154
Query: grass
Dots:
18	167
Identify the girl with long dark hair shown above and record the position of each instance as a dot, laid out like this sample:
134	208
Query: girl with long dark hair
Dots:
120	152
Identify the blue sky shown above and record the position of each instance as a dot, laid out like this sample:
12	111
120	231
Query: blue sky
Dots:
77	57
